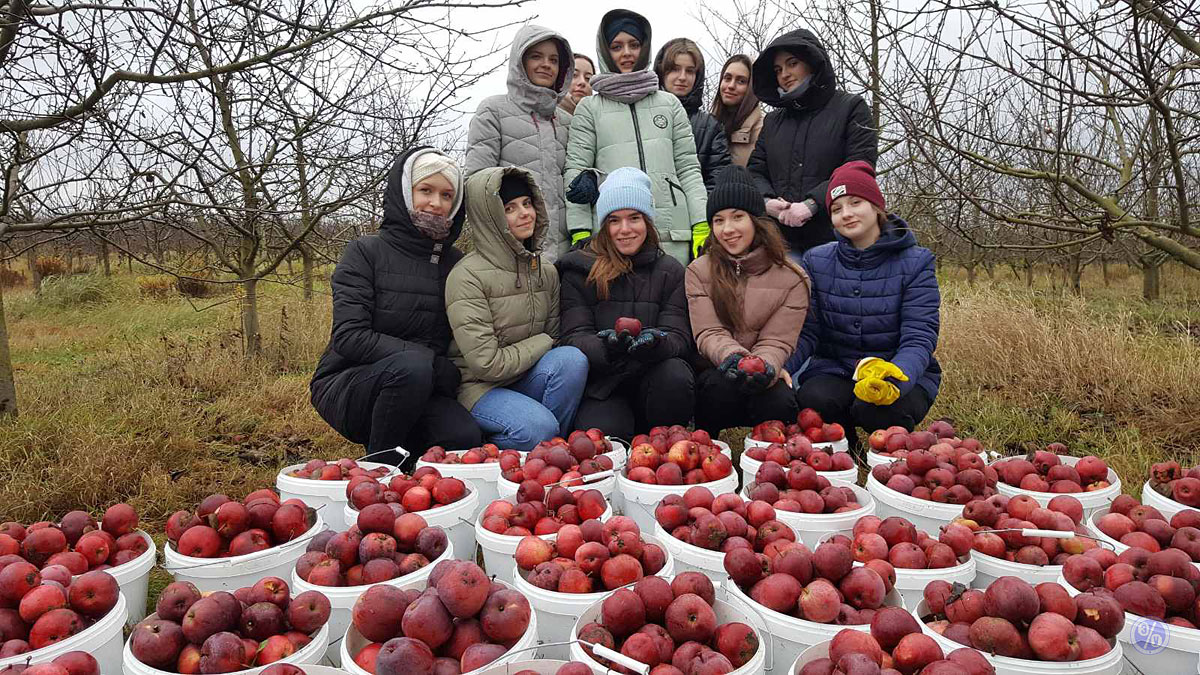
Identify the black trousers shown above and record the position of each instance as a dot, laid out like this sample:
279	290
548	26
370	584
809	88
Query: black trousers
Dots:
391	403
664	394
833	397
721	404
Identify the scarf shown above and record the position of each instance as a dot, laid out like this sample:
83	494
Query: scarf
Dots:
625	87
433	226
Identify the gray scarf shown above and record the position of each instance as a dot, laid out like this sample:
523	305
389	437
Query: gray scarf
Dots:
625	87
433	226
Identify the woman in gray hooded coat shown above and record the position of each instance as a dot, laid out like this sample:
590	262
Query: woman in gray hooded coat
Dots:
526	128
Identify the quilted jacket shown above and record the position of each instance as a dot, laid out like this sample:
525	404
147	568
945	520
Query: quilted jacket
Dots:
712	147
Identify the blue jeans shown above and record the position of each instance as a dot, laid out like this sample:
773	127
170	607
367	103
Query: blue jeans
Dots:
537	407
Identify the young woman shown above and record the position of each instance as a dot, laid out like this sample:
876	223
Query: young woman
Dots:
580	84
634	383
680	68
628	121
814	129
384	380
736	108
746	300
502	302
525	128
865	357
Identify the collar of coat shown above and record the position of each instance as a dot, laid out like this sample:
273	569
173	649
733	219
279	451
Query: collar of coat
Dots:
489	228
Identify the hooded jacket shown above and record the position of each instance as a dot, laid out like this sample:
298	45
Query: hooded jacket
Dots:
712	148
526	128
813	130
653	134
388	288
880	301
502	301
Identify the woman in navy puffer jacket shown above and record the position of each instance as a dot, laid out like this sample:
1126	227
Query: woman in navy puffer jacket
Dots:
865	356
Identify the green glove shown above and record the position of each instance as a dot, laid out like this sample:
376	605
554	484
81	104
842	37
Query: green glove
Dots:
579	235
700	232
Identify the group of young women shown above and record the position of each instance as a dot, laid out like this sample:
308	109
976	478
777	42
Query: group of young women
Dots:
585	197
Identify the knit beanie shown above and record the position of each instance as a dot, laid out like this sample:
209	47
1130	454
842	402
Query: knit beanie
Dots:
625	188
855	178
514	185
735	189
433	162
624	25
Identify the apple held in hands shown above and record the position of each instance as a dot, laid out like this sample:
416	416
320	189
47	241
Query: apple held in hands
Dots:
752	365
629	325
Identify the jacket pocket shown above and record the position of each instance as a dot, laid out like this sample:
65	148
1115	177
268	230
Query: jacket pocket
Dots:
671	188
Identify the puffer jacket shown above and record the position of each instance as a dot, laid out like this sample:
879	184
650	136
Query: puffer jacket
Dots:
526	128
502	301
388	288
813	130
653	134
712	148
880	301
651	292
773	298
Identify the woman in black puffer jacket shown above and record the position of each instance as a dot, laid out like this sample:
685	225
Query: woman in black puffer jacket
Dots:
680	69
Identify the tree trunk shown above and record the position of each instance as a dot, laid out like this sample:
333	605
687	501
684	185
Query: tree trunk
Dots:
104	258
970	273
8	386
1151	278
1104	270
990	269
35	274
251	336
306	258
1075	274
1028	273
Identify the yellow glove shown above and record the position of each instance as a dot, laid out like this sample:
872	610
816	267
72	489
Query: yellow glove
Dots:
700	232
579	236
874	367
877	391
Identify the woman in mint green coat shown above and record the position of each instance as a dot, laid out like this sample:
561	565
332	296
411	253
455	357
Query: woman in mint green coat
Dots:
629	121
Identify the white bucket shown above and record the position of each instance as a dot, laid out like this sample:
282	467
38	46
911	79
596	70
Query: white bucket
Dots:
508	489
726	612
911	583
342	598
134	579
102	640
749	467
1165	505
640	499
353	642
874	459
990	568
619	453
480	477
539	666
811	528
789	635
558	613
1116	546
1111	663
327	496
308	654
832	446
927	515
691	558
499	549
813	653
455	519
230	574
1096	499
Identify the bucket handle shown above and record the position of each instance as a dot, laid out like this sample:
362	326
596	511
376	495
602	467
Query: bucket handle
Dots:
730	597
246	558
1049	534
610	654
404	454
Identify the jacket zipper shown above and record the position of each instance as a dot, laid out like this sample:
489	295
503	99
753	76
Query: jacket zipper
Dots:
671	187
637	134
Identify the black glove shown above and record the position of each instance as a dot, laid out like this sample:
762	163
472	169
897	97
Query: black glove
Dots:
615	343
583	189
446	377
648	345
758	382
729	369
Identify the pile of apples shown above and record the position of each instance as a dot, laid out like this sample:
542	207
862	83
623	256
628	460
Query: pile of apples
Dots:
379	547
895	642
1171	481
76	543
671	627
897	442
903	546
425	489
1161	585
38	609
1135	524
943	473
1063	513
799	451
222	632
460	622
341	469
799	489
1044	471
533	514
720	523
70	663
1015	619
590	557
563	463
221	527
809	425
822	586
488	453
675	456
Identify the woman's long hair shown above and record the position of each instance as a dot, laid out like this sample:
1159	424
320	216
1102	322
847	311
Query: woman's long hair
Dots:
611	263
725	278
733	118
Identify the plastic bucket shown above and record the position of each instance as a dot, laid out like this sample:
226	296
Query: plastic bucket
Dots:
354	642
817	651
790	636
342	598
691	558
619	454
1165	505
1111	663
726	612
539	666
990	568
102	640
927	515
1091	501
749	467
874	459
230	574
456	519
813	527
832	446
1116	546
328	496
639	499
308	654
134	579
480	477
559	612
498	549
508	489
911	583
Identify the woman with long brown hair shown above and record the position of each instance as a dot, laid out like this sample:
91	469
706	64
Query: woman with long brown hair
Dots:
736	107
634	381
747	303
